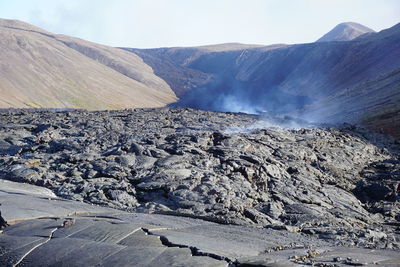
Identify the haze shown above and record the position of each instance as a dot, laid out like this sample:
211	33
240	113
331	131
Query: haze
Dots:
158	23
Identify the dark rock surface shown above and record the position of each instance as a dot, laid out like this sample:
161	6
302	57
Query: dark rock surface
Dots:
337	185
69	233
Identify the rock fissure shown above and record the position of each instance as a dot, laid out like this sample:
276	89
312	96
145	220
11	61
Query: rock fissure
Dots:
194	250
37	246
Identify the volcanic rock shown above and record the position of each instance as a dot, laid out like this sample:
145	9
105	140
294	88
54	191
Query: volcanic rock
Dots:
332	183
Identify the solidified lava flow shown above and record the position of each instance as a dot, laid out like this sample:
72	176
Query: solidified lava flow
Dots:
334	183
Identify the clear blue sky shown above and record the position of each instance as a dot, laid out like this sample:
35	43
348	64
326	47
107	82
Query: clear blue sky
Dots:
157	23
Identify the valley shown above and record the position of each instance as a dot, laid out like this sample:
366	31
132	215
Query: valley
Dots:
216	155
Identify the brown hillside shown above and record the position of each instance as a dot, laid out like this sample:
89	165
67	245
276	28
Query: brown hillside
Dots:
39	69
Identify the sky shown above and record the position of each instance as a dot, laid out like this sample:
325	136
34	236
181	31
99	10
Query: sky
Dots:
165	23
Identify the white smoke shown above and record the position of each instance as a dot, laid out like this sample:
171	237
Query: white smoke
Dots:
268	121
231	103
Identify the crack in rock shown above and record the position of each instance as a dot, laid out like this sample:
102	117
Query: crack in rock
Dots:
38	245
194	250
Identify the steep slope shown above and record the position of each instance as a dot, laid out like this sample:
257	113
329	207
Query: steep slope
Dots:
169	64
314	70
375	104
345	32
40	69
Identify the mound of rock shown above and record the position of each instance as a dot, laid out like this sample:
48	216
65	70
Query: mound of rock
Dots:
338	184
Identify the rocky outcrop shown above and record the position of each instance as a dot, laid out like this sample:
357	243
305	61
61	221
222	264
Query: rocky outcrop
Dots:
333	183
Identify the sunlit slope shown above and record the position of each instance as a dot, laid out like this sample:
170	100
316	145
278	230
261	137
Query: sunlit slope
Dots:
39	69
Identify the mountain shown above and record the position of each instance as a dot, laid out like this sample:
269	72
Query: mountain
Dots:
267	77
345	32
373	103
279	78
41	69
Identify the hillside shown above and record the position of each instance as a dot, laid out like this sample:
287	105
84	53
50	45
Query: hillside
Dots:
279	79
267	77
174	64
40	69
375	104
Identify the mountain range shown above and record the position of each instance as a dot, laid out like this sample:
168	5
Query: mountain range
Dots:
351	74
